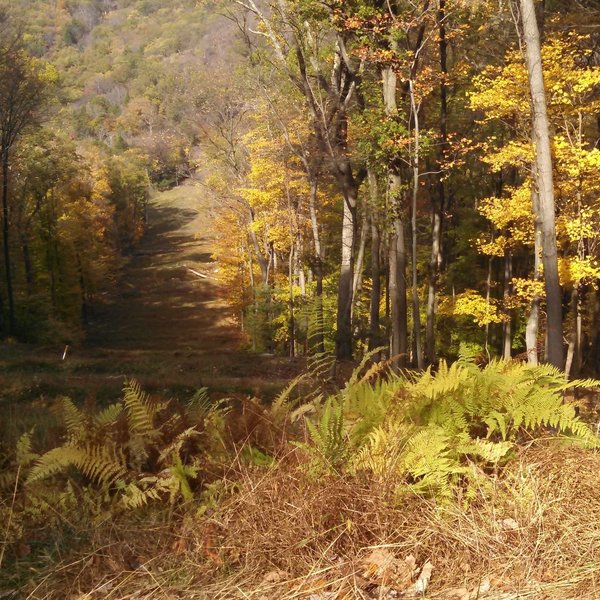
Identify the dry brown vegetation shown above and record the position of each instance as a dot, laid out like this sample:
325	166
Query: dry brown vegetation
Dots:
534	532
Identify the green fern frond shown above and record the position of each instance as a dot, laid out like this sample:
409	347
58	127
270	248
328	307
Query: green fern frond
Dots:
140	411
102	464
74	419
109	415
24	453
281	405
199	404
328	447
354	378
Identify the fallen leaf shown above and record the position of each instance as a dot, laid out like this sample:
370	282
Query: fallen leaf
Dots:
509	524
483	588
381	567
420	586
275	576
378	564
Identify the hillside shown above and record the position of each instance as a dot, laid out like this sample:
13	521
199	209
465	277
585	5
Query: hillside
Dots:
299	299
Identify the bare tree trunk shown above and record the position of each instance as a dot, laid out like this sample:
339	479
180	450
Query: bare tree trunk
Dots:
262	263
319	336
594	346
27	264
360	257
573	362
292	323
531	37
6	244
396	295
344	306
507	330
437	215
374	320
254	298
488	297
418	358
531	330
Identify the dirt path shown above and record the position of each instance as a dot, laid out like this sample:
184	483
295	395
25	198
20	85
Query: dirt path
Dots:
162	304
166	326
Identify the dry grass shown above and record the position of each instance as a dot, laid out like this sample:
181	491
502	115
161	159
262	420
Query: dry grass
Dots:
532	532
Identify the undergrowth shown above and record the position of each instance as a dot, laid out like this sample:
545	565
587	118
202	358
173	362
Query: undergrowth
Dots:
298	490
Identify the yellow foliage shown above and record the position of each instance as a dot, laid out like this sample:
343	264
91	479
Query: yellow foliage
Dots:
512	216
471	303
574	270
526	290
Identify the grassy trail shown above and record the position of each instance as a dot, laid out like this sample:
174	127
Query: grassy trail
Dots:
163	324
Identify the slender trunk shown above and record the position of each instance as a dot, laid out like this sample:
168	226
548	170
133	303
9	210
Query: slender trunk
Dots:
507	337
531	330
418	358
437	215
579	335
375	300
344	306
397	295
594	347
488	297
262	263
360	257
292	324
254	299
318	337
573	364
543	152
82	291
29	277
396	302
6	244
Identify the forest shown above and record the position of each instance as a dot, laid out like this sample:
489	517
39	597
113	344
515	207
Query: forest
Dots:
300	299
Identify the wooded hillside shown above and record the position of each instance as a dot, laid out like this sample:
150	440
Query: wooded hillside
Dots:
299	299
375	166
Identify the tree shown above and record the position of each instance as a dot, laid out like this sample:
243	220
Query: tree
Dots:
543	156
23	97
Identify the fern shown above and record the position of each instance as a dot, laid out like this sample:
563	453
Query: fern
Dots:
109	416
423	429
74	420
140	411
102	464
281	406
328	443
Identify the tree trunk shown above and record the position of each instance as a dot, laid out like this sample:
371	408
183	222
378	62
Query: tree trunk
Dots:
262	263
507	330
360	257
318	337
6	244
418	358
292	322
531	330
555	354
374	320
594	346
29	277
488	297
397	296
344	307
396	303
437	212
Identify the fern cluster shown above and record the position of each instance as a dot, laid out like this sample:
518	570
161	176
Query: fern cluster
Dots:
435	432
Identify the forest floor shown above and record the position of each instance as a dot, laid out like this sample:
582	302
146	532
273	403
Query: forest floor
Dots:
166	324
